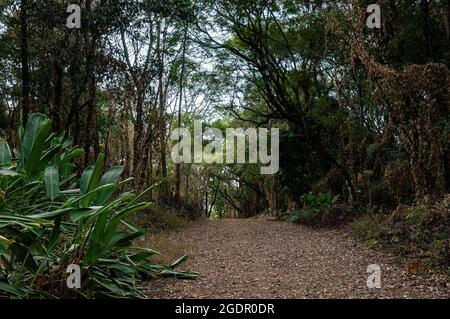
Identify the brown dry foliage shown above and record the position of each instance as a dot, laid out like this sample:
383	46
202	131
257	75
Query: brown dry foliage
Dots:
416	100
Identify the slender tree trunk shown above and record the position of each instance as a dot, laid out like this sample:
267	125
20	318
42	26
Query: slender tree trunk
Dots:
150	172
73	118
138	133
24	59
206	200
187	178
129	141
162	110
271	190
89	131
58	94
216	191
178	166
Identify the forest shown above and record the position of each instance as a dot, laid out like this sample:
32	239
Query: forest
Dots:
338	156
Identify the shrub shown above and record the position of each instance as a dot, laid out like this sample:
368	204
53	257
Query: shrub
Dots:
50	220
399	181
420	232
367	229
314	209
163	219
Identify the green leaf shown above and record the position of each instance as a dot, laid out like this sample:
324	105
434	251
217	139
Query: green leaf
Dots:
85	179
112	226
34	142
47	157
4	244
11	289
3	183
5	152
67	180
109	177
143	255
73	154
8	172
54	236
178	262
21	133
90	180
71	202
81	213
179	274
3	248
25	256
51	215
31	133
51	179
122	239
70	192
110	285
26	222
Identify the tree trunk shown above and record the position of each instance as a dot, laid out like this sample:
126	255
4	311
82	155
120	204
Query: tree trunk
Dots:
92	90
271	194
177	197
216	191
58	94
162	109
138	134
24	58
447	19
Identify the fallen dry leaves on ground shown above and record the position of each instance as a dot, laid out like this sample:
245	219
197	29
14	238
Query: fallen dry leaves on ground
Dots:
266	259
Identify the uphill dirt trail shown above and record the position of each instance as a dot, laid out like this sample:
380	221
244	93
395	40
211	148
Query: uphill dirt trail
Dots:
266	259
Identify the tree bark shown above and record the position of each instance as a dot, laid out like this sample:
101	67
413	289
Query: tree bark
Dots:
177	197
447	19
58	94
24	59
92	89
162	109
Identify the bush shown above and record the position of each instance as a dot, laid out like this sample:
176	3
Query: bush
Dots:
420	232
163	219
50	220
316	209
399	181
367	229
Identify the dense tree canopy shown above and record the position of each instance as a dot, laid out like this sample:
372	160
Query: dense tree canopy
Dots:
363	113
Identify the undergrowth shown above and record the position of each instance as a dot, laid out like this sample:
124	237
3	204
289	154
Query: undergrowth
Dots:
419	232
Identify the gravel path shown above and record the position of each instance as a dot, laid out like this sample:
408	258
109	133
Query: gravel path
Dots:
266	259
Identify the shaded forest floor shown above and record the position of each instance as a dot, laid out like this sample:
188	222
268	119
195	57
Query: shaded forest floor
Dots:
265	259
